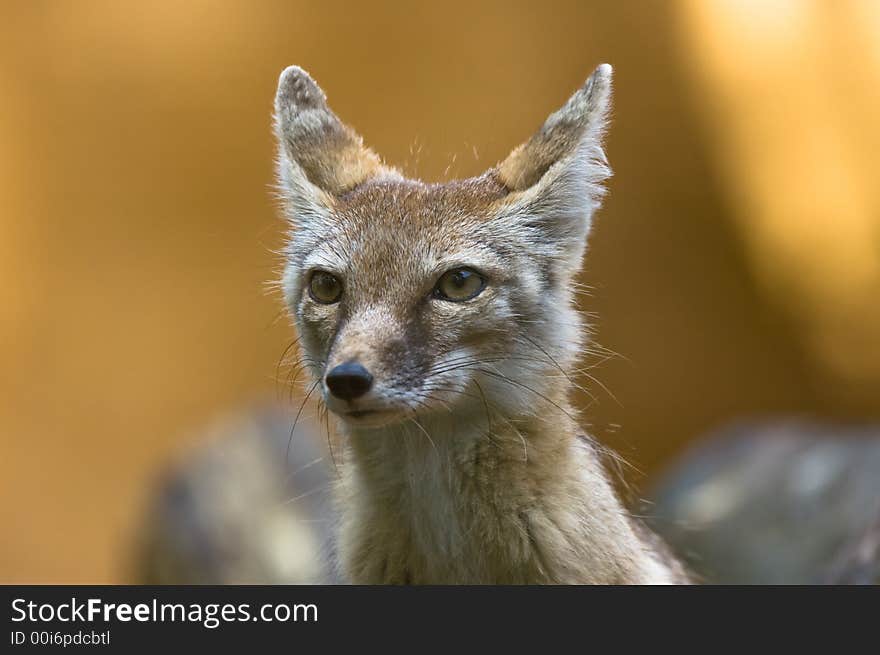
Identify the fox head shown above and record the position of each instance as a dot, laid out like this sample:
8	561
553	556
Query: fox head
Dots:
419	299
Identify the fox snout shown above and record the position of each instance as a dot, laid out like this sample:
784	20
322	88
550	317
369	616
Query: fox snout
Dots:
348	381
371	367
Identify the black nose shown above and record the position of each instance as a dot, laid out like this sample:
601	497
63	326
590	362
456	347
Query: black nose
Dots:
349	381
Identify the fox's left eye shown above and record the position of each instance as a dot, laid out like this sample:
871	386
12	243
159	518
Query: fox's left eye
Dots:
459	284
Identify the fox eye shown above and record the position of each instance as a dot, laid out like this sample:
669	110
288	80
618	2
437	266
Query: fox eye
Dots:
459	284
325	288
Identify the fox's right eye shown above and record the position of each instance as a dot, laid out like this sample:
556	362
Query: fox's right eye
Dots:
325	288
459	284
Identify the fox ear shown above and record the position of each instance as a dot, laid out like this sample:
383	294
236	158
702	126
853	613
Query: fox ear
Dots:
555	177
320	158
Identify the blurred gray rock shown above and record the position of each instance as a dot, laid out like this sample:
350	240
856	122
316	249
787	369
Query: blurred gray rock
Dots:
238	510
778	503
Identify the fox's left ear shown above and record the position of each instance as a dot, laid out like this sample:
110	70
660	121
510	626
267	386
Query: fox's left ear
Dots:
555	178
320	157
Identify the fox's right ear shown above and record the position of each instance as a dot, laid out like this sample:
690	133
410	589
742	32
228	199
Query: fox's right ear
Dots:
320	158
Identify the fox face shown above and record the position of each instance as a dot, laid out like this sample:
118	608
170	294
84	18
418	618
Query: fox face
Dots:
416	299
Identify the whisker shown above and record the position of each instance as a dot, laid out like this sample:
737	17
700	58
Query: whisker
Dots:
424	431
329	440
314	491
486	405
517	383
302	468
296	420
561	370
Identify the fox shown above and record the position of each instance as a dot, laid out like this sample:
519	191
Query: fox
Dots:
438	323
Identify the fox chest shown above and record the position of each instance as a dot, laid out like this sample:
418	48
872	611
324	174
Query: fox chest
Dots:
432	536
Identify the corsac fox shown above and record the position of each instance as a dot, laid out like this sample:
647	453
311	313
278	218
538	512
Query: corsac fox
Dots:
438	321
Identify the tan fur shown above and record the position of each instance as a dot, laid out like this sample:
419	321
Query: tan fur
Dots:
471	467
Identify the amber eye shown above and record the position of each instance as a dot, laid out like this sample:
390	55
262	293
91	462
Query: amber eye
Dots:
325	288
459	284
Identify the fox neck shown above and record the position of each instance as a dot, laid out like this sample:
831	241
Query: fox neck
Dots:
482	497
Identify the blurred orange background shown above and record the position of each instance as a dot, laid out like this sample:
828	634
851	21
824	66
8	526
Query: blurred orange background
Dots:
735	266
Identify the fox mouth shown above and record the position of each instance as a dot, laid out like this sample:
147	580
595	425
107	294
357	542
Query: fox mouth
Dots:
361	413
369	418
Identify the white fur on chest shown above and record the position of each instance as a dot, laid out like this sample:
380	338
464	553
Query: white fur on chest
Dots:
416	507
